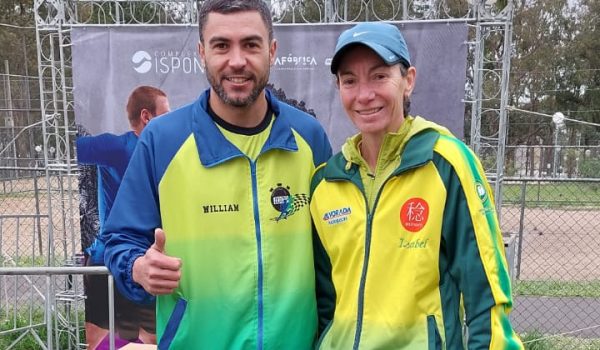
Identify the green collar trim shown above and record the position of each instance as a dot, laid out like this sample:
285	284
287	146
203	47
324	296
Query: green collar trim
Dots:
418	150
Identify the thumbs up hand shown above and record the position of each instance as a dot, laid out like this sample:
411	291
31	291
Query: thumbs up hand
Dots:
155	271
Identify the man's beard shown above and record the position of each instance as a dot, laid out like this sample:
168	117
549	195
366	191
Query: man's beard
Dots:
237	102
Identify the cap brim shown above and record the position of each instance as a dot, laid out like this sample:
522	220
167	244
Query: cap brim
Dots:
389	57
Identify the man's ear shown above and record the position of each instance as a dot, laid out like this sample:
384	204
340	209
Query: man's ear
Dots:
272	51
145	116
202	54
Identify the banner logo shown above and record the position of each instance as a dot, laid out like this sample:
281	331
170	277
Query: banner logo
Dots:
143	59
167	62
414	214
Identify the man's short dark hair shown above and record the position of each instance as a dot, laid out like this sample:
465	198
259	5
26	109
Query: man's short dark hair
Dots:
142	97
233	6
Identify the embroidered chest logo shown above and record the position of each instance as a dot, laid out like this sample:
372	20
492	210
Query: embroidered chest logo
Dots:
337	216
414	214
285	202
481	192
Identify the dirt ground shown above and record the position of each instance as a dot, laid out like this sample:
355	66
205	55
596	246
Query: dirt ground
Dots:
24	222
558	244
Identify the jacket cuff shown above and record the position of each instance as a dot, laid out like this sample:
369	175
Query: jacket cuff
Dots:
141	296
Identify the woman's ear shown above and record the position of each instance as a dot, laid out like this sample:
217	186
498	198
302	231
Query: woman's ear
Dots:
411	76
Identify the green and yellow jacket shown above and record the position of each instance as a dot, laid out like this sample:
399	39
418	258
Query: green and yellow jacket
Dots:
396	250
240	226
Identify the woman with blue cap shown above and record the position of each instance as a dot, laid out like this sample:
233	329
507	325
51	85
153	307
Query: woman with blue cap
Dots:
407	243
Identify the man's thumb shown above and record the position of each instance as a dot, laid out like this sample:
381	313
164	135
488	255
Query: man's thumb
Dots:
159	240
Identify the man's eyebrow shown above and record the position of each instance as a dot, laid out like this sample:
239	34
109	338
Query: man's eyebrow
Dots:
225	39
215	39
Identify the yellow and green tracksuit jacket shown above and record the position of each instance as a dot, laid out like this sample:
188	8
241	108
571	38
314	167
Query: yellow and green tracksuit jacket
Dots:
390	275
241	227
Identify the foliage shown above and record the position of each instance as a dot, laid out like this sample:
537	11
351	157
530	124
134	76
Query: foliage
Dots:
23	318
18	40
555	68
536	340
589	168
558	288
533	341
544	194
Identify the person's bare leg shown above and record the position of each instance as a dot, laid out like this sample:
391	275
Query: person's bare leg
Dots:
147	338
94	335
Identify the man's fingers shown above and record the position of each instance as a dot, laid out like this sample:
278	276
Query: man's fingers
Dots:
162	261
163	283
159	275
161	291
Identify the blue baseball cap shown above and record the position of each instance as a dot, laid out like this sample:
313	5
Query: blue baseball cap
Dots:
383	38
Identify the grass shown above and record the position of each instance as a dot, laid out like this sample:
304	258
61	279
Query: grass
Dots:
557	194
24	261
17	195
558	288
537	341
28	342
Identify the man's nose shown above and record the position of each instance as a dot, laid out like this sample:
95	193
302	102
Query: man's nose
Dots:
237	58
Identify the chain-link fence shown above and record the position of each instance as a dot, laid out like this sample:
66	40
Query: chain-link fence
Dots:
35	232
20	129
555	225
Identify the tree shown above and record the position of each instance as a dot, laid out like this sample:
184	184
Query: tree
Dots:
18	57
17	36
585	48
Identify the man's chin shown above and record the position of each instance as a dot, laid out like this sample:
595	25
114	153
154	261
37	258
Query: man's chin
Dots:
241	99
239	102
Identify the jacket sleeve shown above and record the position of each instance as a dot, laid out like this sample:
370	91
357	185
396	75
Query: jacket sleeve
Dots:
473	244
129	230
99	150
325	291
324	284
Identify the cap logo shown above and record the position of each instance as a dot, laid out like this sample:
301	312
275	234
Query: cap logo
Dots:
354	35
391	57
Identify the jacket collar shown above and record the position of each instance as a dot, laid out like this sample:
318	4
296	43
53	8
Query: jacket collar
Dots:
417	152
215	149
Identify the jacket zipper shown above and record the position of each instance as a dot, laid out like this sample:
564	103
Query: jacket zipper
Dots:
259	335
361	288
363	276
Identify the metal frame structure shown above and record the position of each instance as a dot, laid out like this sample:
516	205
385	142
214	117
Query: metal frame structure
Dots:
490	41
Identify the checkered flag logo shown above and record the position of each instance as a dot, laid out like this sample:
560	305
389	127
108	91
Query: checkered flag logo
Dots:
294	203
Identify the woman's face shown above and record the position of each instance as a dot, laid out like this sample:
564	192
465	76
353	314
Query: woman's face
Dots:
372	92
